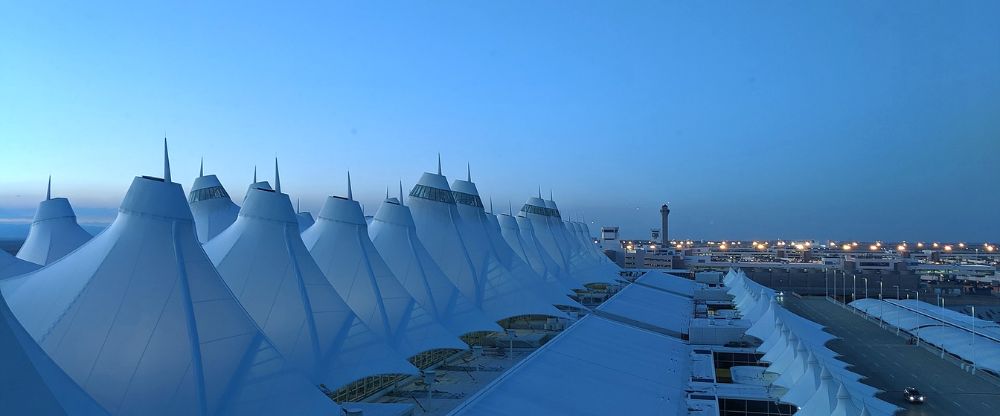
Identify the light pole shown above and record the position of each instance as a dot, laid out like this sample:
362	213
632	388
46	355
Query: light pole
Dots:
866	287
897	315
917	293
854	287
880	303
826	282
973	339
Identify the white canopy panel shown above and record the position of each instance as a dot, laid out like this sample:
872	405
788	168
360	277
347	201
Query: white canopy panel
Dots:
265	263
437	221
669	282
139	318
394	235
54	233
943	328
30	383
486	252
11	266
652	307
595	367
211	206
795	348
340	244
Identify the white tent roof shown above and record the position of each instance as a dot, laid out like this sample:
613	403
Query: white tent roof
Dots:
394	235
652	307
509	256
211	206
494	257
267	266
791	342
972	339
305	220
579	256
549	230
437	220
11	266
518	232
54	232
595	367
30	383
340	244
669	282
143	322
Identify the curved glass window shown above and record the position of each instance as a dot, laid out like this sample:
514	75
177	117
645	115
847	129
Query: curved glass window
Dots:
207	193
548	212
433	194
531	209
467	199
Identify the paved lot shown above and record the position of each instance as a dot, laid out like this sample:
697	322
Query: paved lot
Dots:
890	364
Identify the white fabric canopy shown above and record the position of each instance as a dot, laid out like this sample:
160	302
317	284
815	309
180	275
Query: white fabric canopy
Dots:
30	383
340	244
437	222
669	282
595	367
140	319
54	233
266	265
394	235
974	340
485	253
211	206
795	348
652	307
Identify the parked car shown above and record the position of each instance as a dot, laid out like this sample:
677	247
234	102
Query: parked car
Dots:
912	395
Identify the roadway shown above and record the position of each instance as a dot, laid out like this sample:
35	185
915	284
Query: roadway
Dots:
890	364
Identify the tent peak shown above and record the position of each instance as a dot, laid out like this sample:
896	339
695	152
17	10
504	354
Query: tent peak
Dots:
166	160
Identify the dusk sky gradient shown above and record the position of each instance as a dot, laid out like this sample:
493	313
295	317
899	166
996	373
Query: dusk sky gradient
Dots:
754	119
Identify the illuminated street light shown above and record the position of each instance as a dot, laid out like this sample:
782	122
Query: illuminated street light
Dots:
947	248
920	245
901	247
846	247
873	247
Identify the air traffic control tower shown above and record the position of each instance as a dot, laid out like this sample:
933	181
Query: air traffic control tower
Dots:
664	213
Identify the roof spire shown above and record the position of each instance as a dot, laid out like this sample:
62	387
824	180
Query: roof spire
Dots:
539	191
298	205
401	192
350	192
491	203
387	192
439	163
48	191
254	173
550	195
201	167
510	208
468	172
277	178
166	161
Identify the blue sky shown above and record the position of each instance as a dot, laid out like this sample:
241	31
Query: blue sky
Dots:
757	119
